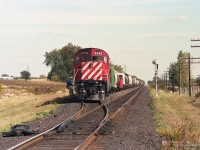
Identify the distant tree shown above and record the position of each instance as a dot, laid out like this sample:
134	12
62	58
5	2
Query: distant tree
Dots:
42	76
182	63
174	70
198	80
67	53
149	82
61	62
55	78
25	75
117	67
174	74
5	75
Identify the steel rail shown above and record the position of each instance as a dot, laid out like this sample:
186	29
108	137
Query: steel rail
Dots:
94	135
74	133
104	103
40	136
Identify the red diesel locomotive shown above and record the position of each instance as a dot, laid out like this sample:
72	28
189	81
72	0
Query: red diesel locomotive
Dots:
92	74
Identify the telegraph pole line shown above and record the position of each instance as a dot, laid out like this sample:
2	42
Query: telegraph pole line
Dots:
189	71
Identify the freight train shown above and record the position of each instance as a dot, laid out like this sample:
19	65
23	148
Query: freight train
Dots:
94	78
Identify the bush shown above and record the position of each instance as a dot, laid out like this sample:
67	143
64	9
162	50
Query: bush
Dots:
55	78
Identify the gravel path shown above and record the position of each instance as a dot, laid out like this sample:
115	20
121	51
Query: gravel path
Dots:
135	132
67	108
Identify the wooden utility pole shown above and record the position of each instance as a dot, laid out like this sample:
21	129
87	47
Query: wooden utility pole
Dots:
179	80
166	72
162	82
166	80
173	76
190	93
169	81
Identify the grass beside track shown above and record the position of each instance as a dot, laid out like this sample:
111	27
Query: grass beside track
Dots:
23	101
23	109
177	119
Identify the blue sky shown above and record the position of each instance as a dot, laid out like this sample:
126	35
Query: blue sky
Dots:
133	32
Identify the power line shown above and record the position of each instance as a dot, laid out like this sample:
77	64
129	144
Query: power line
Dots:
195	46
194	40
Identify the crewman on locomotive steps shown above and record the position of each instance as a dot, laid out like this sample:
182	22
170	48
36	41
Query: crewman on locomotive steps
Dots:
70	85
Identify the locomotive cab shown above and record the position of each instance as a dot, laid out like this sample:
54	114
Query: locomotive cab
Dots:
91	72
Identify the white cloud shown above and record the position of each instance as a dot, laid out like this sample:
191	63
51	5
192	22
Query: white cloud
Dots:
70	18
164	35
182	17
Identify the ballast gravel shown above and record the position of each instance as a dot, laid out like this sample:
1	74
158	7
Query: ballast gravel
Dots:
67	108
132	130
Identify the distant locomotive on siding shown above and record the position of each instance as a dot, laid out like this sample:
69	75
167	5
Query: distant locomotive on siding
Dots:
94	78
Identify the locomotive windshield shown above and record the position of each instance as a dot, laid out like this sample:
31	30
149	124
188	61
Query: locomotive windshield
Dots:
85	58
96	58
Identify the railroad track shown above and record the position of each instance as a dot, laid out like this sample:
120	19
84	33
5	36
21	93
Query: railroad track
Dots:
115	107
78	131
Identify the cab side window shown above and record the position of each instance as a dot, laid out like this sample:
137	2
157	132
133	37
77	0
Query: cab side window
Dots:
105	60
76	60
